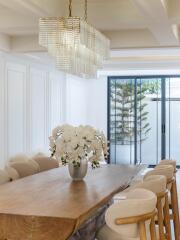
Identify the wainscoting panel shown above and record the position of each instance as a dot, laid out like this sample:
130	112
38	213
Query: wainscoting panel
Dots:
56	100
38	113
15	91
2	116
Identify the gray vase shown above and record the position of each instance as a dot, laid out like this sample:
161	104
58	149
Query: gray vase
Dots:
78	173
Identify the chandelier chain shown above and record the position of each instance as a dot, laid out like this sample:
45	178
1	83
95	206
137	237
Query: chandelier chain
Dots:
85	11
70	8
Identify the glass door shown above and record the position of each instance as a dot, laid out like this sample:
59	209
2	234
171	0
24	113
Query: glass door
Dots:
149	105
173	118
143	119
121	120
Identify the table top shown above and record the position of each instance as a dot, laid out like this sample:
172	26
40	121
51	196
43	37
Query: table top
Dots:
52	195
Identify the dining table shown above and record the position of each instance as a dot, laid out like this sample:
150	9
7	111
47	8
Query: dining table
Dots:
51	206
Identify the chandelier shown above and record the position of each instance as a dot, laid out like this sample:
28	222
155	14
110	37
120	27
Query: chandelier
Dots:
78	47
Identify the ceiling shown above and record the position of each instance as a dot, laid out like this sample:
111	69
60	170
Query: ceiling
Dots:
129	24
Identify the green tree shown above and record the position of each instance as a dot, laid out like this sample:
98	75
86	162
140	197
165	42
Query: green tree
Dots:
123	106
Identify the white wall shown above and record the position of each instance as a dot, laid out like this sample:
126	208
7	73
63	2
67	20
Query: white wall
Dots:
97	103
87	101
76	100
32	102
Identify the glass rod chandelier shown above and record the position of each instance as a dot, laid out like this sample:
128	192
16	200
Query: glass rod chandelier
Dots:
78	47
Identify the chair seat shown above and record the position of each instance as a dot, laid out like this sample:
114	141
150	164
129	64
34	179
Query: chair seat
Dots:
105	233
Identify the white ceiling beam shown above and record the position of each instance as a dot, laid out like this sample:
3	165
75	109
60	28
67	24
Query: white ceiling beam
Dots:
155	13
147	52
5	42
131	38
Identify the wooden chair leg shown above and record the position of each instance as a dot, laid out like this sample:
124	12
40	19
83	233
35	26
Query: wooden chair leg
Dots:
153	229
142	230
175	210
167	218
160	220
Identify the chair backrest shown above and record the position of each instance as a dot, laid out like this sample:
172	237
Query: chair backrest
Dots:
168	162
24	169
4	178
155	183
19	158
137	202
12	173
165	170
46	163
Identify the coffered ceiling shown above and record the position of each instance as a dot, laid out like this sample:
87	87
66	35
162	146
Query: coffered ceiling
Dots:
129	24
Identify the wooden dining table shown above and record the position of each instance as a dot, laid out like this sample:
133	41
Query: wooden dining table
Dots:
50	206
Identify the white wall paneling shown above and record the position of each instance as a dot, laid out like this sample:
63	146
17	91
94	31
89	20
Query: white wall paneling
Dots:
57	99
15	108
38	109
2	110
32	102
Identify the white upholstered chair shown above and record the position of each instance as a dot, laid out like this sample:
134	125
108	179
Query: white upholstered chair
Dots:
26	168
173	194
131	218
158	185
45	163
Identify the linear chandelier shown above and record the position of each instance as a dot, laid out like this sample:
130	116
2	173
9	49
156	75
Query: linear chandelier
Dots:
78	47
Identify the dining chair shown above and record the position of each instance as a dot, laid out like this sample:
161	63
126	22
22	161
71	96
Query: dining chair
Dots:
131	218
157	184
173	196
46	163
25	169
168	172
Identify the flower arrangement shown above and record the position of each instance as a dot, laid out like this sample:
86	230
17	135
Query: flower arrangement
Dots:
72	144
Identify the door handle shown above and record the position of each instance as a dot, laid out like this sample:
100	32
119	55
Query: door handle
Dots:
163	128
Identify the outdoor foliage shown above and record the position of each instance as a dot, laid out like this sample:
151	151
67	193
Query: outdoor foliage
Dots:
124	112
